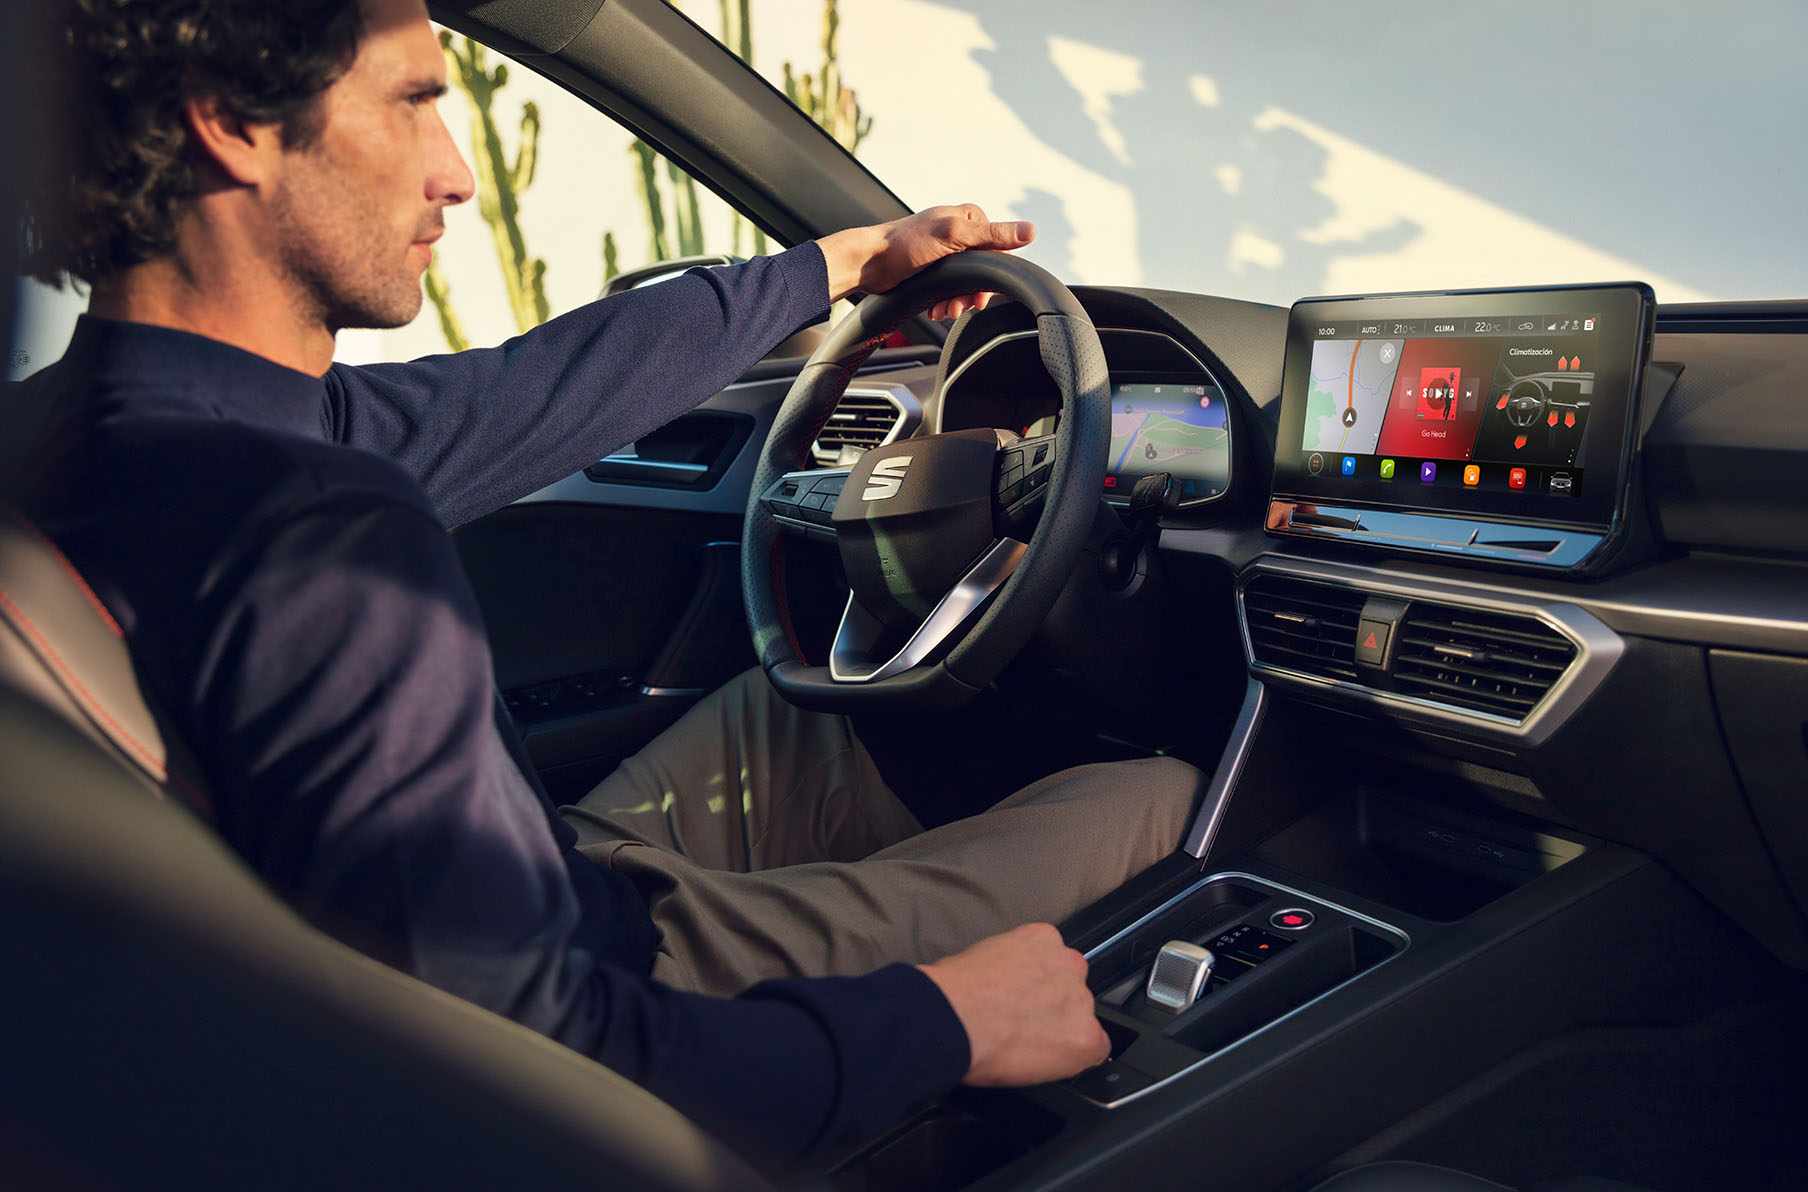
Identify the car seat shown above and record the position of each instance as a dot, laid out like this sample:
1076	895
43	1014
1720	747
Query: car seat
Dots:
167	1021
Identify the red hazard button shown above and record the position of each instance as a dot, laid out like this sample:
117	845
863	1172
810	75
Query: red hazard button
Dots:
1371	642
1294	918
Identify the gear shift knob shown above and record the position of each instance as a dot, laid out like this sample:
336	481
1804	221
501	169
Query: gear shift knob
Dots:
1179	974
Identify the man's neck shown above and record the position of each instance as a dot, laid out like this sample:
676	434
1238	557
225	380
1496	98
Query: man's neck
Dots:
242	307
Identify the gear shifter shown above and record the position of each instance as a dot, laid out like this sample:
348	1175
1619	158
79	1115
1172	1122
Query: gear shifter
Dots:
1179	973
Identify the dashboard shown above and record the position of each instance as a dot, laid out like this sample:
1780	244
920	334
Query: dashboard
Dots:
1582	657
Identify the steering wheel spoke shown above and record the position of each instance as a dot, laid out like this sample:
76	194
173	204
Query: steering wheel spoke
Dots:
861	635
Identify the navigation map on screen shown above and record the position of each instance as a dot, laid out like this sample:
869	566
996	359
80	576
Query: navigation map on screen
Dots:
1170	428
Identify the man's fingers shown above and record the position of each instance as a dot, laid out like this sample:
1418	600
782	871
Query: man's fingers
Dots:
1012	234
954	308
966	226
1003	235
1102	1047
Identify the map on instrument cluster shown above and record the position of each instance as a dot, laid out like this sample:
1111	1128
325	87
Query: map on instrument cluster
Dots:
1348	394
1168	428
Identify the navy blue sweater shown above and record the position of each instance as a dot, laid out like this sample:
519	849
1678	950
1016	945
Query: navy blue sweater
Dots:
273	546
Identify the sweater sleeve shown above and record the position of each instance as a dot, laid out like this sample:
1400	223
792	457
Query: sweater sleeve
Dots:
350	724
480	428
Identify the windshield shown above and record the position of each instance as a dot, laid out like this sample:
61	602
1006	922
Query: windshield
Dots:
1275	151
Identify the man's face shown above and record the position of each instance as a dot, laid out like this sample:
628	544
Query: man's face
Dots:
357	209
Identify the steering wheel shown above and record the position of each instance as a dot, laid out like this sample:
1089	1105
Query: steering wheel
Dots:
951	569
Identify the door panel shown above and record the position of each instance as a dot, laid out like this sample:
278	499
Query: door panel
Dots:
605	623
612	598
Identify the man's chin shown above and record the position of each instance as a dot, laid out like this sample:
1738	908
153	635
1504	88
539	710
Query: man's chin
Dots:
378	316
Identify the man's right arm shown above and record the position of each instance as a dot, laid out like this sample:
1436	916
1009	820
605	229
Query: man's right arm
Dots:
344	705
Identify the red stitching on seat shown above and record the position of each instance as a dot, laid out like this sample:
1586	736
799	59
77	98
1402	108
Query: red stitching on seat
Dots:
89	703
194	797
93	600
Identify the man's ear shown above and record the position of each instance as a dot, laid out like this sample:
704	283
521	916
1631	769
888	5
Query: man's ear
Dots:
245	153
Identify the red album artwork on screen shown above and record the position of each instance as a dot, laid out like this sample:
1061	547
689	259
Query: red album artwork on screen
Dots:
1436	406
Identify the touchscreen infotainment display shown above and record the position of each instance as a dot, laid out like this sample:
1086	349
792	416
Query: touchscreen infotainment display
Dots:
1514	405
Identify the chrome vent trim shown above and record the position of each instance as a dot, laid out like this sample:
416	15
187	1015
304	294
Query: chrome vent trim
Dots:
1484	661
866	417
1303	625
1597	648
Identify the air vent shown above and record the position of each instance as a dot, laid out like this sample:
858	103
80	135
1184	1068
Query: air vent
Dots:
1486	662
1303	626
860	422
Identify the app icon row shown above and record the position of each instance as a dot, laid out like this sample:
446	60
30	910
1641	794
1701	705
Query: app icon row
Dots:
1428	472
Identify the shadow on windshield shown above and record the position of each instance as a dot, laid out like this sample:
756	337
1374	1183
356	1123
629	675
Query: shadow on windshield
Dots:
1220	204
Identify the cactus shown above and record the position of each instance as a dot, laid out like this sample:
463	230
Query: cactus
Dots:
440	294
611	260
822	96
500	182
643	153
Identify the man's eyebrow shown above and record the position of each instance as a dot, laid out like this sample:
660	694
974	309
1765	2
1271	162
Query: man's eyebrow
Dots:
425	86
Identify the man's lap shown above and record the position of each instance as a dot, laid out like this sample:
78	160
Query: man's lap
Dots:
768	845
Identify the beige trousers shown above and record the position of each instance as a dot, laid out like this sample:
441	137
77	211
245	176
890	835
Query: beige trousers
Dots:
767	845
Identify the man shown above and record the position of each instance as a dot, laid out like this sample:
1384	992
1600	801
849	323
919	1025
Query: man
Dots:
267	530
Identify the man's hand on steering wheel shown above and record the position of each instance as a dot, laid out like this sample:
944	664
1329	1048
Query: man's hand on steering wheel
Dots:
876	258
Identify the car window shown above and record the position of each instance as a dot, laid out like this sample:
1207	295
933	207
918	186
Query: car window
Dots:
567	199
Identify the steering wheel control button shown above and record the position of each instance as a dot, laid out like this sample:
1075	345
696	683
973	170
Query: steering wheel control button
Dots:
1371	642
1293	918
1178	974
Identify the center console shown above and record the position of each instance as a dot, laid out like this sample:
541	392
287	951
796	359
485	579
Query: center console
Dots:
1381	935
1264	950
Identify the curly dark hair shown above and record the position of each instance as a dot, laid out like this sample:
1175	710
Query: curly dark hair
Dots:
112	82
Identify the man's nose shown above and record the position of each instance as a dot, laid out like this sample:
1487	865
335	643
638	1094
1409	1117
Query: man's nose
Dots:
448	177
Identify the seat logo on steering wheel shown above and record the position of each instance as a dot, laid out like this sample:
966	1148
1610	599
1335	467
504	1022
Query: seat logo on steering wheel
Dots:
887	479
